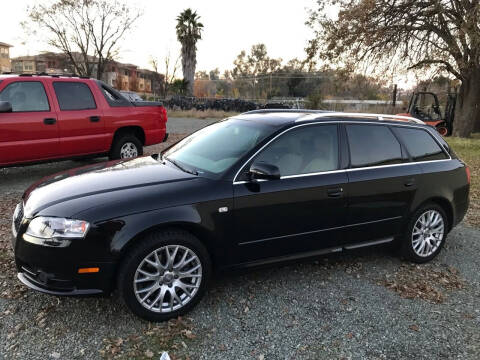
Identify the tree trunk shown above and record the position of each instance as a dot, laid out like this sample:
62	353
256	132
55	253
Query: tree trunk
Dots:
189	62
467	111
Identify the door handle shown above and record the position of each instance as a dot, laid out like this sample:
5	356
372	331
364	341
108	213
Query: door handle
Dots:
409	182
94	118
49	121
336	192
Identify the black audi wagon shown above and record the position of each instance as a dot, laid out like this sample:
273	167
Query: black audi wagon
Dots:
257	188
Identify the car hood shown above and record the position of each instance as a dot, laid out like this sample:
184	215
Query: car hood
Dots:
96	184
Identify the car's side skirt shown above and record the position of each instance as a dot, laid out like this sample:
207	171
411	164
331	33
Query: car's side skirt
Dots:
309	254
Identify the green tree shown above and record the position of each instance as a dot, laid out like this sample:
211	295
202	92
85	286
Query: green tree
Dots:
439	34
189	31
255	70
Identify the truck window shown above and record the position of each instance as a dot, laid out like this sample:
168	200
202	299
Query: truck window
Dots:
26	96
74	96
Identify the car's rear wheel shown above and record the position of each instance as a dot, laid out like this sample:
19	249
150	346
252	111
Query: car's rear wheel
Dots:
126	146
425	234
165	275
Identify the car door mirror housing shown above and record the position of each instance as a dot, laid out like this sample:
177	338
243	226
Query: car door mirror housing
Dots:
5	107
261	170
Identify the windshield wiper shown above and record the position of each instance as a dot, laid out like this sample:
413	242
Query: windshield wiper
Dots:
184	169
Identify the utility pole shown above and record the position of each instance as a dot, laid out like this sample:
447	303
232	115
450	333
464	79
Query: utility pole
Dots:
394	95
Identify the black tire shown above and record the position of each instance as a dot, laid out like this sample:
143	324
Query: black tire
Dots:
134	259
407	246
119	141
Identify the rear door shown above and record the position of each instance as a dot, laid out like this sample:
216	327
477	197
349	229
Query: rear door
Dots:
81	122
382	183
303	211
30	131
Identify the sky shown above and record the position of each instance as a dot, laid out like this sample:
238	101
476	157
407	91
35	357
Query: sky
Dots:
229	27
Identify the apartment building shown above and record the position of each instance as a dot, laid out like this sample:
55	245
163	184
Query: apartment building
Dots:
121	76
5	64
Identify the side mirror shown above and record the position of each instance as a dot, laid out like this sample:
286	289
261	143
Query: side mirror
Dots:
261	170
5	107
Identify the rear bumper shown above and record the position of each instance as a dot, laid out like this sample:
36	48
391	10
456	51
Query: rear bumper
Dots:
155	136
460	212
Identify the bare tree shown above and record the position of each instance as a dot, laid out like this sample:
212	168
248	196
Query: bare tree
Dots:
86	31
169	73
439	34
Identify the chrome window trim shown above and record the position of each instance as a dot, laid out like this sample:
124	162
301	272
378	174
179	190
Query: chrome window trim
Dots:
414	126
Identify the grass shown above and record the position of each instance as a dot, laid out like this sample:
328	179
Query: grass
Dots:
199	114
207	114
469	151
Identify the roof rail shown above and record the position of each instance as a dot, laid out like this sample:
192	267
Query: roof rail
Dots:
315	114
46	74
365	115
266	111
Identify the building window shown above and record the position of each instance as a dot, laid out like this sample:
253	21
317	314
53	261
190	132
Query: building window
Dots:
18	67
28	66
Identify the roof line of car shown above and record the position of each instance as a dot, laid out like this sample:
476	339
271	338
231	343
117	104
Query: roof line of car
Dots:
311	115
369	116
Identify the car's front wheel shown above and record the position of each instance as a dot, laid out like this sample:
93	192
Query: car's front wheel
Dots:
425	234
165	275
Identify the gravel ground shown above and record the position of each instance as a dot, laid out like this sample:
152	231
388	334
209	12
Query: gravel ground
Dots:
364	304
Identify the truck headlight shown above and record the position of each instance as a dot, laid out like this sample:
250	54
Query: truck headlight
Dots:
56	232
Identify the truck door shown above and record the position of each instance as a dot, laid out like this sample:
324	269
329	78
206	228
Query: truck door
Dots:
80	119
30	131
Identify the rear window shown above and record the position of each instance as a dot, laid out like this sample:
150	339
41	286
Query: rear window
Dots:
372	145
420	144
25	96
74	96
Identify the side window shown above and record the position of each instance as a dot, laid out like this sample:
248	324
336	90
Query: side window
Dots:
74	96
420	144
309	149
26	96
372	145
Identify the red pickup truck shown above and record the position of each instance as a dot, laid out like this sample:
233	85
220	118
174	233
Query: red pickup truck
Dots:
53	117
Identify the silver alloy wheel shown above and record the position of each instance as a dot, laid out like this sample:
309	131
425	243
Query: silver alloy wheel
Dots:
128	150
168	278
427	233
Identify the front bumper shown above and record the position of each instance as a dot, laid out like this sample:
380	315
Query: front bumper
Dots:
27	280
55	270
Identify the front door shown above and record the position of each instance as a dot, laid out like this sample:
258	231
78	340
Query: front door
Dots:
303	211
30	131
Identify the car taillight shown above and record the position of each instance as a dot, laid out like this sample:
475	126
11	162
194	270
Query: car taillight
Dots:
467	170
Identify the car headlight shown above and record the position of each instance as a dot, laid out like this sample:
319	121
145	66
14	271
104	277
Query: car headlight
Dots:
56	232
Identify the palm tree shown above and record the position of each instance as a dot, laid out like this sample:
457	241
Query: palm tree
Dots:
189	31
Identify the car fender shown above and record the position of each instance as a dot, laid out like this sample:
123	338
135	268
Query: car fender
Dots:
134	227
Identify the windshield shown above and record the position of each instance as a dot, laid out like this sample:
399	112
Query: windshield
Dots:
214	149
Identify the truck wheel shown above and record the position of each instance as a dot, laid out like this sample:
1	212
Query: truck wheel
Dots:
165	275
126	146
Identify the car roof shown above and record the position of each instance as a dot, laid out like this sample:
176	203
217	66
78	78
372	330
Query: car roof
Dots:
289	116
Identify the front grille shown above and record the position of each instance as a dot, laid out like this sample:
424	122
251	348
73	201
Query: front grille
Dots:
18	217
